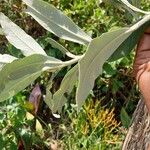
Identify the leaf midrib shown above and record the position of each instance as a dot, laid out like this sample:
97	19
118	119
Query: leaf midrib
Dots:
23	40
98	56
33	64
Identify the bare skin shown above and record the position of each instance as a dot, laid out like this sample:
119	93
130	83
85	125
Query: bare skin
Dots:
141	66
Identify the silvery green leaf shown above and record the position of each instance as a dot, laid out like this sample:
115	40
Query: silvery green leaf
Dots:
18	74
60	47
55	21
134	8
58	100
48	98
17	37
99	50
5	58
129	44
90	66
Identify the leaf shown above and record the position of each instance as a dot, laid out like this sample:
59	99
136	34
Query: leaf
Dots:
125	119
57	101
90	66
128	45
39	128
55	21
26	138
17	37
5	58
99	50
29	116
60	47
134	8
17	75
109	70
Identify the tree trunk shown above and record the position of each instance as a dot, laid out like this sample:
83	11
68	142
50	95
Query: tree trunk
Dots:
138	136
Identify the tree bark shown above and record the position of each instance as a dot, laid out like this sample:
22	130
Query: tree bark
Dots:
138	136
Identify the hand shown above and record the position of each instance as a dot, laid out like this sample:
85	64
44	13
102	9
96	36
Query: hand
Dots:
141	66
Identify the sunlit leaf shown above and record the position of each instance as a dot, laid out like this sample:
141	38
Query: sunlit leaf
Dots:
55	21
99	50
29	116
39	128
128	45
90	66
56	101
15	76
17	37
5	58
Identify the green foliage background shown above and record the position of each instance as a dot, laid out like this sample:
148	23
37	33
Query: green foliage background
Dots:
104	119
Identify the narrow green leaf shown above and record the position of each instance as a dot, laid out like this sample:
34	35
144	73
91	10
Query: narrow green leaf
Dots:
58	100
134	8
60	47
55	21
17	37
5	58
19	74
99	50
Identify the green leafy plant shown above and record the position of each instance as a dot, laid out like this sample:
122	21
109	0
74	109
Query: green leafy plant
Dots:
18	127
17	73
93	128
